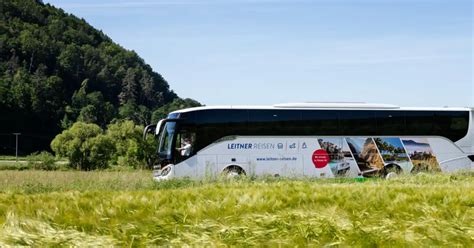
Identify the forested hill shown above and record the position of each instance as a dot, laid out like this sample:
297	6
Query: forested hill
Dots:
57	69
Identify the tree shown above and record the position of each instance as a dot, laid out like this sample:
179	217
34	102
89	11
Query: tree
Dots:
56	69
98	150
130	148
79	98
139	114
85	145
177	104
88	114
90	107
21	89
70	60
129	87
128	110
30	45
46	96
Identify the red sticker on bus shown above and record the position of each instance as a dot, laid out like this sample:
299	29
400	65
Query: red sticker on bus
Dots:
320	158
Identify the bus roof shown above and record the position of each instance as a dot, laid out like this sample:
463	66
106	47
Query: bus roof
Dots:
326	106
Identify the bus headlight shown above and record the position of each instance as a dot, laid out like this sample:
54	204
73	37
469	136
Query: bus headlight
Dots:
165	171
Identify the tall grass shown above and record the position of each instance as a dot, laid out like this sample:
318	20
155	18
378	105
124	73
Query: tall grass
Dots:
129	209
10	157
31	181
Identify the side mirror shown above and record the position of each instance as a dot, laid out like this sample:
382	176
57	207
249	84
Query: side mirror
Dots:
148	129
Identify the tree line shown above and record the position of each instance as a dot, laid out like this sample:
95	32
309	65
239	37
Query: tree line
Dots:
56	70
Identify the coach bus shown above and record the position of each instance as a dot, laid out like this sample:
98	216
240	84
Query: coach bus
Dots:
313	140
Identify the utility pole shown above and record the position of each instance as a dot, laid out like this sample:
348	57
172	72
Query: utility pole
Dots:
16	146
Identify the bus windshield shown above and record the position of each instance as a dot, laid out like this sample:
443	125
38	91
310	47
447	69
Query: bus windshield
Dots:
165	148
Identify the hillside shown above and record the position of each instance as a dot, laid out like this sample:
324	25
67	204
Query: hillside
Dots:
57	69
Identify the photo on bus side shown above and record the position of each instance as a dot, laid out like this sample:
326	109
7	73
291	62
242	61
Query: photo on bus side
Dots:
421	155
393	153
366	154
341	161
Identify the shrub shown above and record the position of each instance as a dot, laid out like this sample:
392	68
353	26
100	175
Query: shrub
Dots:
126	138
130	148
42	161
85	145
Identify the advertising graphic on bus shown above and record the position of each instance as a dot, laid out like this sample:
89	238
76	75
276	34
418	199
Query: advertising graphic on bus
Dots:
313	140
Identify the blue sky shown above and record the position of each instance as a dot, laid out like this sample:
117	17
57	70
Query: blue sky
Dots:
404	52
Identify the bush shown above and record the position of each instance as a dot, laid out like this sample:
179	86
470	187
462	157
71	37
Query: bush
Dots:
127	139
85	145
42	161
130	148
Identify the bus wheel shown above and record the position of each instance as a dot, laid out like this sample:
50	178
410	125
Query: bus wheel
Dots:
233	172
391	171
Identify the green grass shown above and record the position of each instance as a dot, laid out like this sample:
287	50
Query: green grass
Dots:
9	165
25	164
129	209
21	158
9	157
36	181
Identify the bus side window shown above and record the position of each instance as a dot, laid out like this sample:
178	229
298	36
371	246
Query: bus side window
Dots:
185	143
419	122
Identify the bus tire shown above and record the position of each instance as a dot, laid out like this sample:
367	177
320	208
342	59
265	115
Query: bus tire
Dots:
233	171
391	171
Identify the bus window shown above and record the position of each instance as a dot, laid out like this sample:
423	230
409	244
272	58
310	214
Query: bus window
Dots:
320	122
185	141
166	140
442	122
220	116
211	125
357	122
274	122
419	122
390	122
451	124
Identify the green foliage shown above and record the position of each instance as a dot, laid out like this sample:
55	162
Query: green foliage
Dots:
85	145
176	104
138	114
129	146
42	161
56	69
128	209
14	166
98	151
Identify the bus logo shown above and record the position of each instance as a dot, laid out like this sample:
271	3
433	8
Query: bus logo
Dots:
320	158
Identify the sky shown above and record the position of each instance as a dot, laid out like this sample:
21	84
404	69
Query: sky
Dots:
264	52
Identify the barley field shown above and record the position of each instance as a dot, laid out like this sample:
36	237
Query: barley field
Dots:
70	208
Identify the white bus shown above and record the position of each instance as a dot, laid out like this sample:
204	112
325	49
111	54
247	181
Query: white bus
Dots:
313	140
